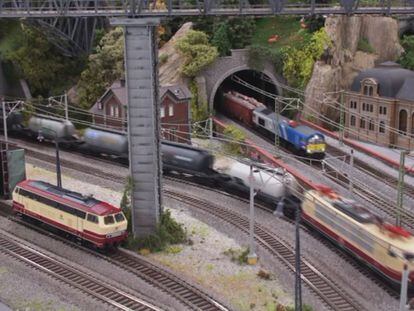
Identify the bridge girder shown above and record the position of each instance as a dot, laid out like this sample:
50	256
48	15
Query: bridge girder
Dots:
154	8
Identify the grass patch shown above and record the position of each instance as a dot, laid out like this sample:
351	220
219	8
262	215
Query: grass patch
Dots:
286	27
174	249
237	255
364	46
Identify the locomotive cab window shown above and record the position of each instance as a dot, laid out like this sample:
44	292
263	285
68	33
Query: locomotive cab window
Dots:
109	220
261	121
119	217
92	218
409	256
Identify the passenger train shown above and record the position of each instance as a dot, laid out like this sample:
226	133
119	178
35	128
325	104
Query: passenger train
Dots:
302	139
86	218
382	246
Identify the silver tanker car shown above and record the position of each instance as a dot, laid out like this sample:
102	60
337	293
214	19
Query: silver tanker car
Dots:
275	184
50	128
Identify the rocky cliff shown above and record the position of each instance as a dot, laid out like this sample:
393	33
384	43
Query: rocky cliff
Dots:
171	60
343	61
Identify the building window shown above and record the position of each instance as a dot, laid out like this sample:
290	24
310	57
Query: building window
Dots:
365	90
362	123
371	107
371	91
116	111
353	105
412	125
382	110
371	125
111	111
171	110
162	112
100	106
382	127
353	119
402	124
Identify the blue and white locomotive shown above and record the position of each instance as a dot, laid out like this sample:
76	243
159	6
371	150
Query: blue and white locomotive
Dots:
303	139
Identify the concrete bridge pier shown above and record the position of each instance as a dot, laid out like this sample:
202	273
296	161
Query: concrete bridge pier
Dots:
143	121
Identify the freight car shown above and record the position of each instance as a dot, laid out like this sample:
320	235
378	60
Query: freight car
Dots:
51	128
274	184
380	245
240	107
86	218
302	139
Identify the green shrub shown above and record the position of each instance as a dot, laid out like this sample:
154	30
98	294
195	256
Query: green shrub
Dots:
168	232
199	111
236	137
163	59
364	46
258	54
298	62
197	51
238	255
407	58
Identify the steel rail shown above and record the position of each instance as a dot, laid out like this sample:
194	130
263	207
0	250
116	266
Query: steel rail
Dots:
331	293
69	275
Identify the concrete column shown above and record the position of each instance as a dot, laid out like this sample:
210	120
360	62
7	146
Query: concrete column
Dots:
141	74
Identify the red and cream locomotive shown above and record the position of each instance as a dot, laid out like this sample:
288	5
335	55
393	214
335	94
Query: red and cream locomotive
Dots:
89	219
382	246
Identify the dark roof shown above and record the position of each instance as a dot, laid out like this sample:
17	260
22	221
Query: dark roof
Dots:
179	91
390	76
407	90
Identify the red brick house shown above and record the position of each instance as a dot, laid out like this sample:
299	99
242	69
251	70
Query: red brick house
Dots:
110	110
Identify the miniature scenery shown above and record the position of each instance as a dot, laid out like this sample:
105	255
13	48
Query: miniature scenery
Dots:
215	155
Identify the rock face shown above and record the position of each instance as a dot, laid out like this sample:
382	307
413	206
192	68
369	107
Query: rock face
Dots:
337	71
170	68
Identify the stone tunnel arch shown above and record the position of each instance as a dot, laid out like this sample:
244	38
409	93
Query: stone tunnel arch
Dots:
212	77
239	69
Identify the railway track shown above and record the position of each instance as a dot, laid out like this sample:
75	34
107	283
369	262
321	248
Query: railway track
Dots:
320	284
63	272
373	172
152	274
383	203
332	294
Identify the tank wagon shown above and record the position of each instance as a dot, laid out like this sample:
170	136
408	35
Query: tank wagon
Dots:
51	128
14	120
105	141
275	184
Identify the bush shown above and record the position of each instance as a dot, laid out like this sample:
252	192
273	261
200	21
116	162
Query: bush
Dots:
298	63
199	111
238	255
197	51
163	59
236	138
364	46
258	54
168	232
407	58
